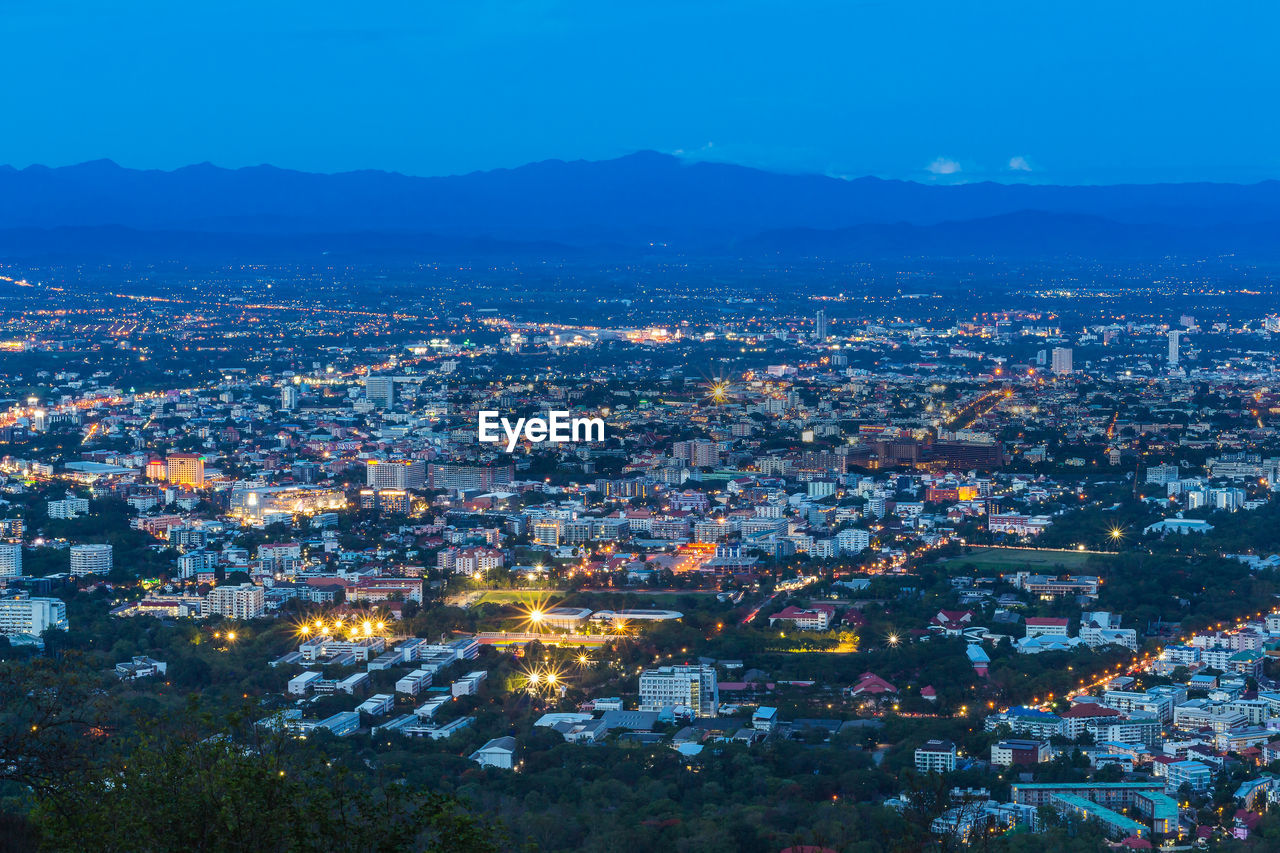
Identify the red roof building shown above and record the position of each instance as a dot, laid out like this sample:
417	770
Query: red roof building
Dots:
871	684
818	617
1078	717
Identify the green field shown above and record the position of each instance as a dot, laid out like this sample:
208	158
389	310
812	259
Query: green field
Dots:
519	596
1004	560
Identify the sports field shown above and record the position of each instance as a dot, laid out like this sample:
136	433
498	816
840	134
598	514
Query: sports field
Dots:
525	597
519	596
1003	560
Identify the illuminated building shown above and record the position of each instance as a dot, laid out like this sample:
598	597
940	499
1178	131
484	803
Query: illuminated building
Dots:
693	687
255	505
34	616
396	474
388	501
546	532
448	476
185	469
10	560
242	601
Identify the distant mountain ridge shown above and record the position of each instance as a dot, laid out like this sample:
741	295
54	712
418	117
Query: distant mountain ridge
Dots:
629	202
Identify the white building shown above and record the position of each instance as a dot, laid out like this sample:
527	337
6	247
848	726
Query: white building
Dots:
1046	626
414	682
1094	637
1061	365
499	752
694	687
853	541
936	756
10	559
25	615
1193	773
302	683
245	601
469	683
377	704
68	508
91	560
396	474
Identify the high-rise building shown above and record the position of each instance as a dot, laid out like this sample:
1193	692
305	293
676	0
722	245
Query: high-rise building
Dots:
24	615
449	476
1175	338
185	469
820	325
381	391
11	528
244	601
396	474
698	453
10	560
91	560
546	532
936	756
1272	323
693	687
1061	361
289	398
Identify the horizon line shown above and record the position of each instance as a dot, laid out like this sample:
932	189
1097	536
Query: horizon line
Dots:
958	179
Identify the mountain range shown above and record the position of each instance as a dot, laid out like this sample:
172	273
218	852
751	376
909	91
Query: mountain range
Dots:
641	202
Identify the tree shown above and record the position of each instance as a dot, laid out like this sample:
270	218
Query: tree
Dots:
216	794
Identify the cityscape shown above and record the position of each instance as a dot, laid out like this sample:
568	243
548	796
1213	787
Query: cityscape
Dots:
803	495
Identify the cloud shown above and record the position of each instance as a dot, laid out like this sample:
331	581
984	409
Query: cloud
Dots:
1019	164
944	166
706	148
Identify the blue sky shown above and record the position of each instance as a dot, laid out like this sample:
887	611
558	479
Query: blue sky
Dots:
1079	92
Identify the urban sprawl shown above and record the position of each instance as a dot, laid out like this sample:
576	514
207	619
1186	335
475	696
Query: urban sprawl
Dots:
971	573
